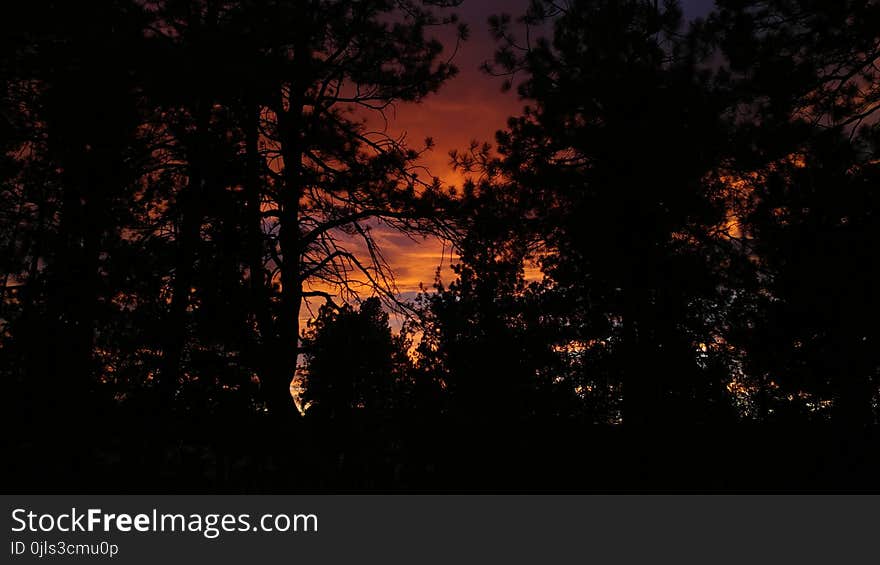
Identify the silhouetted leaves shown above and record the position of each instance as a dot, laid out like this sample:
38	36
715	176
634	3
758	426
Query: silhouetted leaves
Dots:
680	227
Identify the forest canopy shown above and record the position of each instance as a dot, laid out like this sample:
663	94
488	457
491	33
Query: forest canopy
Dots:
190	192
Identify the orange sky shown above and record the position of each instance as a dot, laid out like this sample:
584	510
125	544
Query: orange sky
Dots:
470	107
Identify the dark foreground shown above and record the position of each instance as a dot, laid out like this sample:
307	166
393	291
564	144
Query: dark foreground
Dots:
125	456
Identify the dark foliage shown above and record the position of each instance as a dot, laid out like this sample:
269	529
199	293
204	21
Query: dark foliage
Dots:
665	269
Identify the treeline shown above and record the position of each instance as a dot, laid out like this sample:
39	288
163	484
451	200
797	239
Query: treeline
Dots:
180	177
701	201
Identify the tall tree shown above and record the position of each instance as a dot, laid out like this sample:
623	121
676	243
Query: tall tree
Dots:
273	119
331	174
622	127
806	74
83	144
484	334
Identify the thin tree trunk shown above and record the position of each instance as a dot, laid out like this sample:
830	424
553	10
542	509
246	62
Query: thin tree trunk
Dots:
287	346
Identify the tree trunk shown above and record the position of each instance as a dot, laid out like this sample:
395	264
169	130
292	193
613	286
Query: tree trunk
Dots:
287	345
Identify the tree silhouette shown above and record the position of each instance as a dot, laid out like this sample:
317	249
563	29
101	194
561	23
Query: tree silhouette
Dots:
79	160
622	128
677	229
329	174
808	81
482	334
353	362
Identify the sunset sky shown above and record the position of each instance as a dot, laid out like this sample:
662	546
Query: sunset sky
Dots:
469	107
